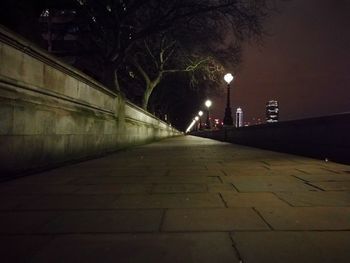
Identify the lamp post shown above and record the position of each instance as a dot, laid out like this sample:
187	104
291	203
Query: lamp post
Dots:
196	119
200	114
228	121
208	104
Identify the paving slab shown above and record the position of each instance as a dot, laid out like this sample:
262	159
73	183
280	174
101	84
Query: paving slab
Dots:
215	219
317	170
60	202
42	179
286	161
126	248
268	183
121	221
329	177
179	188
252	200
307	218
332	186
174	165
214	165
316	198
261	171
267	247
37	189
342	168
221	188
112	171
148	179
193	171
114	189
21	248
184	200
25	222
8	202
78	170
136	172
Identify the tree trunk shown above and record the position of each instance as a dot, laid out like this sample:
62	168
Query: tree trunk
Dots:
147	95
150	85
110	77
116	80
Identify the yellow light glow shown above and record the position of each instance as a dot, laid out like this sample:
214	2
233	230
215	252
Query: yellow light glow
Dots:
200	113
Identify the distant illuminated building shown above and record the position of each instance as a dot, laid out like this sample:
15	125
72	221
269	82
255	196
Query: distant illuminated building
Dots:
239	117
256	121
272	111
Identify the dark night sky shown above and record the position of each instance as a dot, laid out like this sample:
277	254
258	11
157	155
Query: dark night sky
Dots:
304	64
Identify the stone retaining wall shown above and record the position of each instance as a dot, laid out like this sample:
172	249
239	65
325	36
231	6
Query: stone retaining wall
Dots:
51	113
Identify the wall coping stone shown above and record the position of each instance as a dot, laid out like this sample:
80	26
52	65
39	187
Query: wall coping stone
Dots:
27	47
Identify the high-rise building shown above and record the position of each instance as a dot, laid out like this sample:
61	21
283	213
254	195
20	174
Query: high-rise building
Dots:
272	111
239	117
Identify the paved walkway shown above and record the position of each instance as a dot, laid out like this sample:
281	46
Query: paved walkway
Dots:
184	199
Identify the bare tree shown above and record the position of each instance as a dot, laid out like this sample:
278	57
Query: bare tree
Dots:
164	56
119	27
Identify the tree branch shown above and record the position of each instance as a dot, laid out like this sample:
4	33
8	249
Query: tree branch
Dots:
142	71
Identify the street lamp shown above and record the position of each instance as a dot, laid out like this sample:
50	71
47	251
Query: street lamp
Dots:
190	126
200	113
228	121
196	119
208	104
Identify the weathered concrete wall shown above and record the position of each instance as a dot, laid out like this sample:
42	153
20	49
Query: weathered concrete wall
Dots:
323	137
51	113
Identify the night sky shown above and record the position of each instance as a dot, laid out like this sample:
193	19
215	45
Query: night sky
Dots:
304	64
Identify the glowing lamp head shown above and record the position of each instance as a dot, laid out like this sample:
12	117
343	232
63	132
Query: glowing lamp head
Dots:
196	118
228	78
208	103
200	113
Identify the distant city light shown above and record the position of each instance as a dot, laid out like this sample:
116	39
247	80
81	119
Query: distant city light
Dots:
200	113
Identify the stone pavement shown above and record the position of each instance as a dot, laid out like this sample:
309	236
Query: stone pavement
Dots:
184	199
